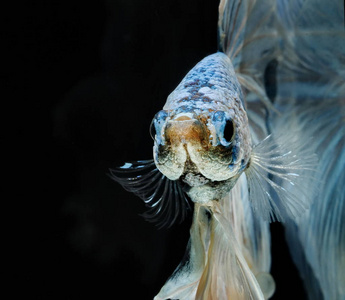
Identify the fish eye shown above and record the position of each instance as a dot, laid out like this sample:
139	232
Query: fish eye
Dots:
152	129
229	131
157	123
224	126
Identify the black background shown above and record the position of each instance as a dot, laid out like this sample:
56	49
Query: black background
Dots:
83	81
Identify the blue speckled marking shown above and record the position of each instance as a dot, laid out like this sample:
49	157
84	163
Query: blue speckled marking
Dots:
243	165
235	151
211	94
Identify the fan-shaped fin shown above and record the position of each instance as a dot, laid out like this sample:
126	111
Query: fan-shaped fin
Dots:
165	198
280	168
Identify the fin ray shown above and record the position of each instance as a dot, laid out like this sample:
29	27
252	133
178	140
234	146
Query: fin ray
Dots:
157	191
272	165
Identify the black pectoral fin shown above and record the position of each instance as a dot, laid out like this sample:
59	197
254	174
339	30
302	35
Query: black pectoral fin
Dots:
165	198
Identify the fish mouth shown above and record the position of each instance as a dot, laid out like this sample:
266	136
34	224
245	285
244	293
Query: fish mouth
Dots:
192	175
195	179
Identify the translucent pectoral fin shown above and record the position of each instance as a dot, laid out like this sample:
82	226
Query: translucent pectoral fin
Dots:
165	198
280	171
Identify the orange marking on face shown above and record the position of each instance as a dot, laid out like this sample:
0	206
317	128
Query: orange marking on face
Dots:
183	118
185	130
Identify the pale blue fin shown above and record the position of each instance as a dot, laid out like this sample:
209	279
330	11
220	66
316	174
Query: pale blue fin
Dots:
312	55
245	25
311	96
280	167
248	35
258	114
317	239
165	198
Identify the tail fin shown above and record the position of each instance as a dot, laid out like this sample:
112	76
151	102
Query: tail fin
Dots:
312	50
317	239
311	94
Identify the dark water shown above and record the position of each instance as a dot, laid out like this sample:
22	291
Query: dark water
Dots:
84	81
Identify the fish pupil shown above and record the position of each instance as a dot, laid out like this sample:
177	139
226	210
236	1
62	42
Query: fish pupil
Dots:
228	131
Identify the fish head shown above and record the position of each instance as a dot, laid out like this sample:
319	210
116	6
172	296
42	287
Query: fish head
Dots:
201	147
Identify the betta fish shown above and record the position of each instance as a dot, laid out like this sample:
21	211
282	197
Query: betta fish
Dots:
245	160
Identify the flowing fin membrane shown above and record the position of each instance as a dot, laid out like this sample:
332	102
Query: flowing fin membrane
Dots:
318	236
248	35
227	274
281	166
238	257
164	197
183	283
228	253
311	92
